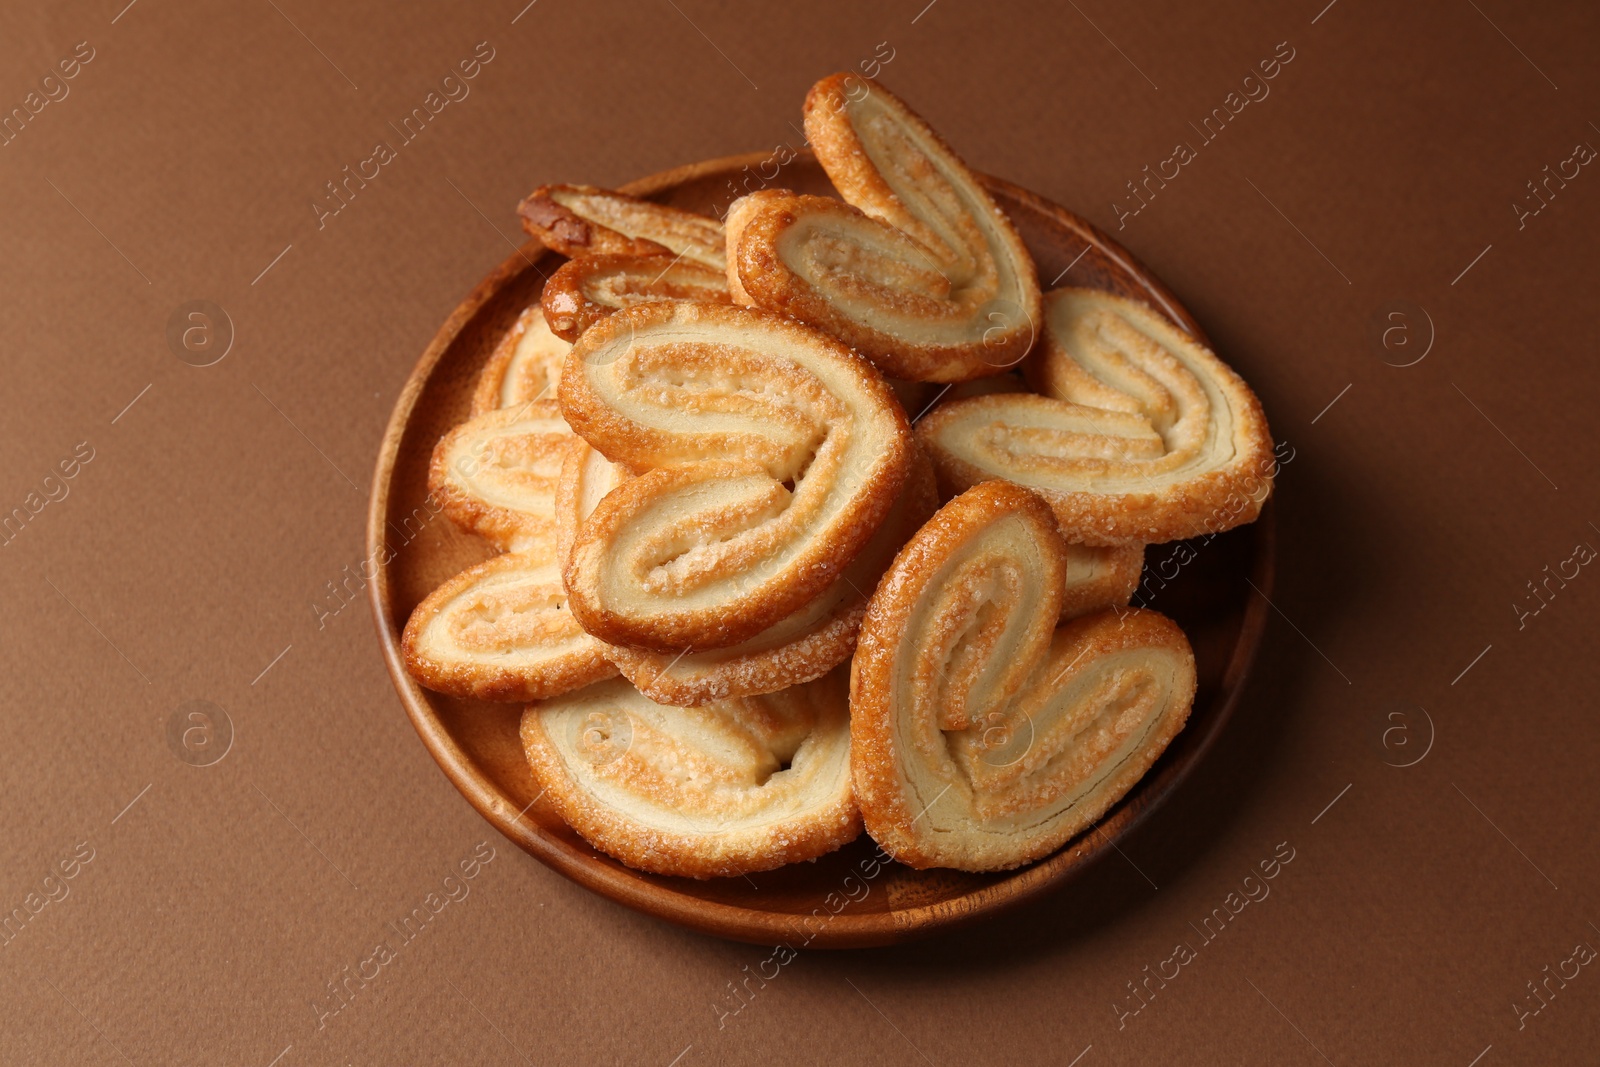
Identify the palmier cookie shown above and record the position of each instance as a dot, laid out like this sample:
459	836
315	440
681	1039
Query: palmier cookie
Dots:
525	365
920	270
716	791
803	646
1142	433
587	289
580	220
496	475
500	631
983	736
770	453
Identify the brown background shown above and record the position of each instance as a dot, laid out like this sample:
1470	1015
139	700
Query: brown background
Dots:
217	509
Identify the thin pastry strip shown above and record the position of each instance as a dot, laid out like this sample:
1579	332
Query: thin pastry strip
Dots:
805	645
585	290
920	270
581	220
717	791
1099	578
524	366
1144	435
772	452
586	477
740	213
500	631
984	736
496	475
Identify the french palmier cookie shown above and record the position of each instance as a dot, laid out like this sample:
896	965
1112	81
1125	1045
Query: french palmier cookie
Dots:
524	366
496	475
920	270
500	631
803	646
1142	433
769	453
580	220
585	290
983	736
715	791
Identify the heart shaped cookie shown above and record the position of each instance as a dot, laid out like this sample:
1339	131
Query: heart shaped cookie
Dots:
984	735
769	453
920	270
1141	433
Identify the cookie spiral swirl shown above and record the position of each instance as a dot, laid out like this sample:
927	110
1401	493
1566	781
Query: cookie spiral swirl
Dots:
770	453
984	736
920	270
715	791
1141	435
806	644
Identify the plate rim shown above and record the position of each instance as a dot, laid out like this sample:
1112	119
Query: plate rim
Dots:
843	929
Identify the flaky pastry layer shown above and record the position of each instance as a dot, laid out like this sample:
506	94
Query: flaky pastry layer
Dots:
1099	577
586	478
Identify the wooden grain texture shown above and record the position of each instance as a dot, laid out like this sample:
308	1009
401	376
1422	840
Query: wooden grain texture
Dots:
821	904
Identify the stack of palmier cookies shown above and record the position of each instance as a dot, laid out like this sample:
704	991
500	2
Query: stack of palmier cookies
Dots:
741	620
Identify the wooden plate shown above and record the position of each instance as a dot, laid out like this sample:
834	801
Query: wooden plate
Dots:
848	898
